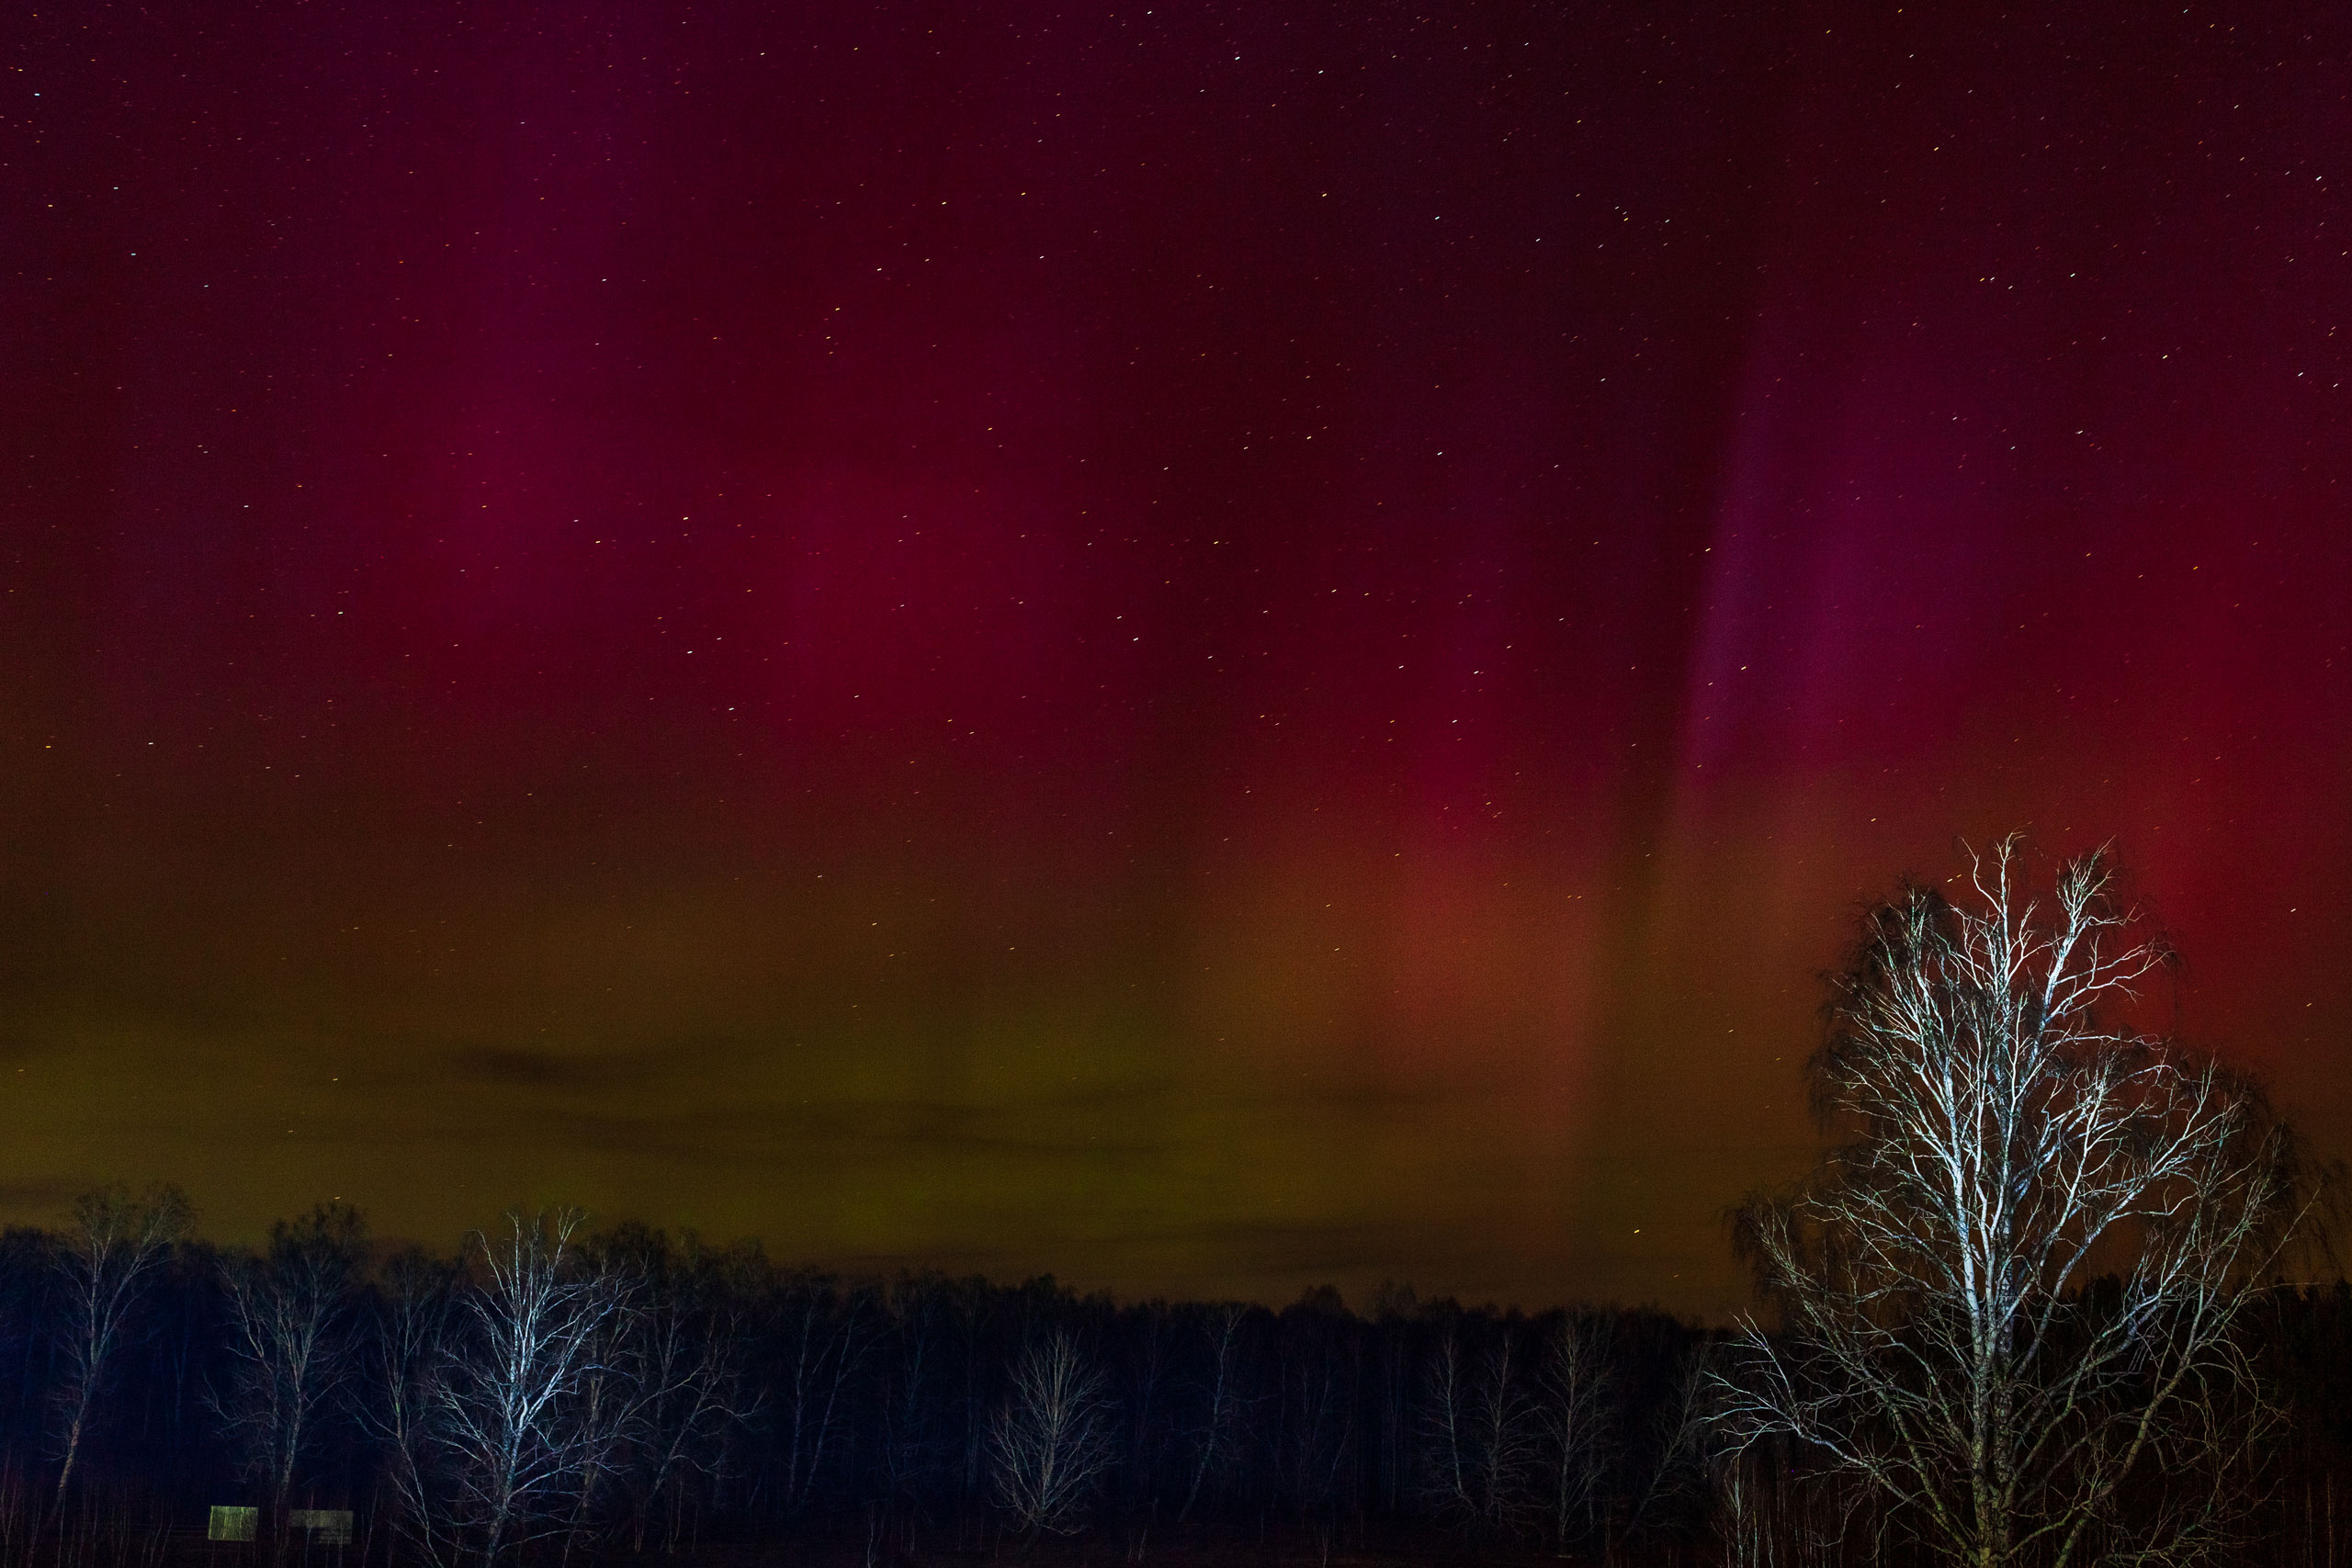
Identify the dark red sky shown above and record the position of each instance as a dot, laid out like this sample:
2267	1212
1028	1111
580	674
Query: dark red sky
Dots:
1208	648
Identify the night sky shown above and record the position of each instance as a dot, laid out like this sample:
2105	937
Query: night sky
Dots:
1209	648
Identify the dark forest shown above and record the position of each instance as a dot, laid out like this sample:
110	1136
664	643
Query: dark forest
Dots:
554	1393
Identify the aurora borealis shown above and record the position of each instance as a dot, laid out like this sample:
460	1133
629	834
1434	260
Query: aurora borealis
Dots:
1210	648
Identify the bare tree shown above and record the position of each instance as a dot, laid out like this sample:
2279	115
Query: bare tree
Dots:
824	1337
1321	1364
288	1315
509	1414
972	1310
1051	1443
1575	1388
686	1351
408	1347
1507	1426
654	1398
111	1250
1220	1437
1448	1429
1685	1430
609	1402
913	1451
1480	1430
1155	1328
1516	1442
2012	1301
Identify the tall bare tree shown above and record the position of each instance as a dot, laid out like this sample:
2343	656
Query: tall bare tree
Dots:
407	1347
1575	1386
1320	1365
687	1354
289	1311
609	1392
656	1395
1149	1352
1480	1430
912	1451
822	1337
1051	1444
1220	1431
510	1414
1686	1431
111	1250
2012	1298
1449	1428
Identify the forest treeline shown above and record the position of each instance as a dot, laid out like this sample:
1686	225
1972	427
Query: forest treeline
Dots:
550	1391
623	1388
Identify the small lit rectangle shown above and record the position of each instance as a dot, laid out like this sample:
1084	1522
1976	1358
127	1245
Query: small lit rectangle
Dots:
328	1526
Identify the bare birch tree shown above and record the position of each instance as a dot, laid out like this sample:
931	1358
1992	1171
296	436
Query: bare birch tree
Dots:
1479	1430
509	1413
687	1354
2012	1301
407	1347
656	1394
1220	1433
1575	1388
1448	1461
289	1313
823	1336
1507	1428
609	1405
1051	1445
1685	1431
111	1250
1315	1430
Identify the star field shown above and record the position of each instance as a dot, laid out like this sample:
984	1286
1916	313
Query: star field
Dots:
1209	648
